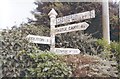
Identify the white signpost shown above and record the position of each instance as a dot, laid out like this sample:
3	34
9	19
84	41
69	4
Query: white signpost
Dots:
76	17
69	28
52	14
38	39
72	27
65	51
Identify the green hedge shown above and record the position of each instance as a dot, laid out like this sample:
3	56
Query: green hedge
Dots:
47	64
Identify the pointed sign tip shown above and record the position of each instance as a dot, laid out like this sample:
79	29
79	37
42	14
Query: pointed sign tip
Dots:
86	24
52	12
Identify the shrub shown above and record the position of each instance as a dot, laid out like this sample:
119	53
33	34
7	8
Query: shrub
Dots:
110	51
106	50
23	59
91	66
47	64
115	48
16	52
104	44
84	42
14	41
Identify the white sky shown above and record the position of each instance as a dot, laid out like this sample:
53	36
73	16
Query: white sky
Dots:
14	12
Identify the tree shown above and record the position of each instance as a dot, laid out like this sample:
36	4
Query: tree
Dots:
114	21
67	8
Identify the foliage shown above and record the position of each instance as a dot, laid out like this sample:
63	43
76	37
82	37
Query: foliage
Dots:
115	48
114	21
62	8
23	59
85	42
14	41
47	64
91	66
17	55
103	43
106	52
67	8
110	51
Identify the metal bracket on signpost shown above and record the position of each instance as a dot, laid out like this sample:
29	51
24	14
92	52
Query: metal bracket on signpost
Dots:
52	14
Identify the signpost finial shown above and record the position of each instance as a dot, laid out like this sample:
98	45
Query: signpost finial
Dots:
52	12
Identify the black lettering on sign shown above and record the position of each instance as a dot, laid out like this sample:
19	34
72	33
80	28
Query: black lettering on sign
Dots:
73	27
85	16
39	39
61	29
59	20
76	16
31	38
69	19
82	26
61	51
70	51
47	40
42	40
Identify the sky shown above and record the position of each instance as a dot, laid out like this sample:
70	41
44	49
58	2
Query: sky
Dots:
15	12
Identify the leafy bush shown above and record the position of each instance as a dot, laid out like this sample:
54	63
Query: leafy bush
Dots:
106	50
47	64
91	66
85	42
21	58
110	51
104	44
14	63
16	52
115	48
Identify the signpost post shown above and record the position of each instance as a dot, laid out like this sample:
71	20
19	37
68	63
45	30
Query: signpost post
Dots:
52	14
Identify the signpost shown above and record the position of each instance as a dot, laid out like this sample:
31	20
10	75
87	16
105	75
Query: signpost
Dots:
72	27
66	51
38	39
52	14
76	17
69	28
